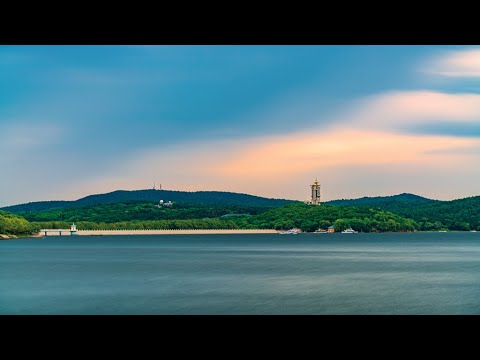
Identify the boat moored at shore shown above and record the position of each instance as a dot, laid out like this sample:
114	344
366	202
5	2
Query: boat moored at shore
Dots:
289	232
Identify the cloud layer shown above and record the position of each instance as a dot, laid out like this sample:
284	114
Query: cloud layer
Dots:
461	63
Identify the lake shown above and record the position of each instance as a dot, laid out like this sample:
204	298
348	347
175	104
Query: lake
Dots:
389	273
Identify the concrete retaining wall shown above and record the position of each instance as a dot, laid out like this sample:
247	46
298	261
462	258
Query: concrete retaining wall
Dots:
174	232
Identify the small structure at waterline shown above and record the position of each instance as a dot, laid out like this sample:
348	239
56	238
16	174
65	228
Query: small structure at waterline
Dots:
60	232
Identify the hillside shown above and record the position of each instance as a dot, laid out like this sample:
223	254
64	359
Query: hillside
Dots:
121	196
406	211
36	206
383	200
460	214
310	218
11	224
129	211
305	217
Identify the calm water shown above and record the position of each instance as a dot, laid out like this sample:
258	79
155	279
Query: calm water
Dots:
406	273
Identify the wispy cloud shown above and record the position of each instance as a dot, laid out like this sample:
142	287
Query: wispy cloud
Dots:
397	110
25	135
460	63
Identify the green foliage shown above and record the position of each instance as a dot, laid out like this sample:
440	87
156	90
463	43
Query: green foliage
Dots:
143	225
111	213
199	198
310	218
12	224
402	199
404	212
431	215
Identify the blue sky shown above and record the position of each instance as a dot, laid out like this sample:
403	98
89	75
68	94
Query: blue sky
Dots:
265	120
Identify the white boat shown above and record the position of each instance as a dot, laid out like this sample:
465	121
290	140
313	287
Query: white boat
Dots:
321	231
349	231
289	232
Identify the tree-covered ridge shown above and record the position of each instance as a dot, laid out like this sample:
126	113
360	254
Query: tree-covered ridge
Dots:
431	215
462	214
401	200
310	218
141	225
216	198
11	224
128	211
36	206
305	217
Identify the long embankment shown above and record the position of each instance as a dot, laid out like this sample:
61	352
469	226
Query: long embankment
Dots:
170	232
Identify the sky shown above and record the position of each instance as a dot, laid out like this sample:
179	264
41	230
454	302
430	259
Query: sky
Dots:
262	120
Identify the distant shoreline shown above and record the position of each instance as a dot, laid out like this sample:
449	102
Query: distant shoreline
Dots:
193	232
10	237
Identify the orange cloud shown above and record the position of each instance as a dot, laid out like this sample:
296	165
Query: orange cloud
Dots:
306	152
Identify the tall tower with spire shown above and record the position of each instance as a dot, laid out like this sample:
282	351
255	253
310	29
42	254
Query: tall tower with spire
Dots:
315	193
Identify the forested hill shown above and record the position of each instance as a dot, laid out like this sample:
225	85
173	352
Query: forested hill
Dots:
404	198
133	211
122	196
13	224
310	218
461	214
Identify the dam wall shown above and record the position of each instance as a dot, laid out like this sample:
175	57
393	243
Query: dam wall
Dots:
163	232
174	232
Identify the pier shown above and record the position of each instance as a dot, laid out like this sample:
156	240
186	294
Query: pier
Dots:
59	232
55	232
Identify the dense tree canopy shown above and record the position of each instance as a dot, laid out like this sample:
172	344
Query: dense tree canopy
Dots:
310	218
431	215
15	225
142	225
401	213
129	211
199	198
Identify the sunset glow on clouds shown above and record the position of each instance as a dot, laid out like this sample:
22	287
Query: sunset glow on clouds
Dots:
194	124
399	109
